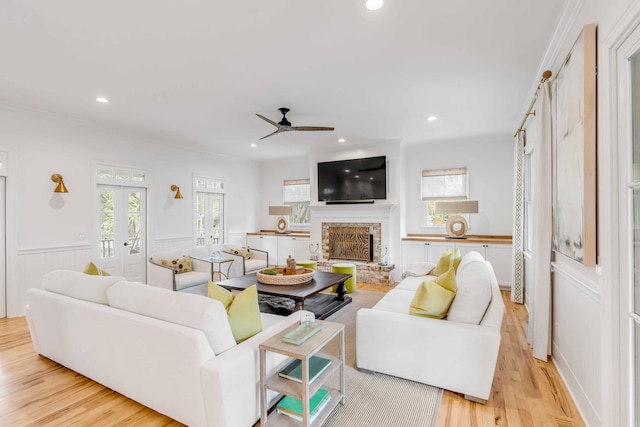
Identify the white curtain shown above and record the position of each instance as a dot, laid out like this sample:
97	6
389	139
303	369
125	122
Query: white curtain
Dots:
542	228
517	294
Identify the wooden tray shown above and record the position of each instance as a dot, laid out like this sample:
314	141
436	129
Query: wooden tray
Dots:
285	279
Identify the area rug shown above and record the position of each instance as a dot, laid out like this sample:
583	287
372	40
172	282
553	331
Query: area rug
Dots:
385	401
376	399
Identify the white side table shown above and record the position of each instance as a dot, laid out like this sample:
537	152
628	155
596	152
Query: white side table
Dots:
304	390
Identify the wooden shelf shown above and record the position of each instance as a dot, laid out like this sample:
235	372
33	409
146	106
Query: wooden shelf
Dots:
280	420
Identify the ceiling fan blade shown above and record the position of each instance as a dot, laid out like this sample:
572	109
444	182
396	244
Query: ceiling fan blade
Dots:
274	132
311	128
267	120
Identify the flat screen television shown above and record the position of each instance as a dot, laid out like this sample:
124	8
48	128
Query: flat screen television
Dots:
353	181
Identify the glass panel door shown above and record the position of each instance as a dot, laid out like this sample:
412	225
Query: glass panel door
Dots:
209	223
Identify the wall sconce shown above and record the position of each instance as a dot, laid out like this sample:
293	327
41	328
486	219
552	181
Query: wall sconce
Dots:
60	188
177	190
456	224
282	225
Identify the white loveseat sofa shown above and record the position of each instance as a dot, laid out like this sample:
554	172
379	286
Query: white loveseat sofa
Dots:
453	355
173	352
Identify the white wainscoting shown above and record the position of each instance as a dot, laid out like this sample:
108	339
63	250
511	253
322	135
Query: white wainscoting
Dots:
577	341
33	264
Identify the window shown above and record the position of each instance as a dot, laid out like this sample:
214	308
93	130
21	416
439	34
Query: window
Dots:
439	185
209	215
297	194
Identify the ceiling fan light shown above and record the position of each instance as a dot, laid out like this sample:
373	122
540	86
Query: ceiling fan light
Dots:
374	4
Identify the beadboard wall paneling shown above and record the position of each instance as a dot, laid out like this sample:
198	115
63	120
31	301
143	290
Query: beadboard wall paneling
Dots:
577	341
184	244
33	264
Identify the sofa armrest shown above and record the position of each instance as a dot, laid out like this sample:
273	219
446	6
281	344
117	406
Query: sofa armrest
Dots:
231	381
456	356
160	276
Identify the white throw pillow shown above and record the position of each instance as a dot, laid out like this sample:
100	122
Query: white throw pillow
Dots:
194	311
79	285
473	295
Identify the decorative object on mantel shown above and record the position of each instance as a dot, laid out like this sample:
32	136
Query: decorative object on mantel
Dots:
298	276
60	188
282	225
456	224
177	190
313	253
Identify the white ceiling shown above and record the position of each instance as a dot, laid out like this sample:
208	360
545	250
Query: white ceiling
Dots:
195	72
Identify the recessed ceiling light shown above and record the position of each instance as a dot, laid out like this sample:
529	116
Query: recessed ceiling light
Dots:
347	170
102	100
254	145
374	4
432	118
342	140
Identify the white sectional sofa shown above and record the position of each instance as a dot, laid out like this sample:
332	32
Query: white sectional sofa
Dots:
453	355
171	351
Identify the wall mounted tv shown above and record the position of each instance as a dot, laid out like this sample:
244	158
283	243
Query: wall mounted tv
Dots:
353	181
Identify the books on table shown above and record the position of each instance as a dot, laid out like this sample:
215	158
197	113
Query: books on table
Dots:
293	407
317	365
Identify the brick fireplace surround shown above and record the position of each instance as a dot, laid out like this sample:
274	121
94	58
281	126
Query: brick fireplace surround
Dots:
366	272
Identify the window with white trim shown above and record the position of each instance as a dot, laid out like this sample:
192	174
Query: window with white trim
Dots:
297	194
440	185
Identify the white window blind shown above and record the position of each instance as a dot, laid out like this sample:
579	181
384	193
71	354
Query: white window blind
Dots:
444	184
296	191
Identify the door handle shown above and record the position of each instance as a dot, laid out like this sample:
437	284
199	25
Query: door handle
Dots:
126	244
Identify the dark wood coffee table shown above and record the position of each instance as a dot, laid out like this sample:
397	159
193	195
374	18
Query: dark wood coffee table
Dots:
306	296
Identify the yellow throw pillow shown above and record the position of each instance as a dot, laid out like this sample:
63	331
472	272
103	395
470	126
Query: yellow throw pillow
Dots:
242	309
180	265
431	300
93	270
246	253
456	259
448	280
444	264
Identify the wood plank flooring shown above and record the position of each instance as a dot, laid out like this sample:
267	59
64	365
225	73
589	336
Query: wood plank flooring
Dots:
35	391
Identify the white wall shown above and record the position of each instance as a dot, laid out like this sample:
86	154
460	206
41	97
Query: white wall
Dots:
272	175
44	227
489	162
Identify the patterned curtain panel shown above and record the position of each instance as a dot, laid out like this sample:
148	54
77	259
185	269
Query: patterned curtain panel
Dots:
517	289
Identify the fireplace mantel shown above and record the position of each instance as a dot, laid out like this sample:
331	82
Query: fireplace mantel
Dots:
356	207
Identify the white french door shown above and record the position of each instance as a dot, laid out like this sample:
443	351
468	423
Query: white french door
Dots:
628	78
122	231
209	223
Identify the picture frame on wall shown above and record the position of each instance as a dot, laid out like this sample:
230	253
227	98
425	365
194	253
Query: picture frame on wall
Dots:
574	152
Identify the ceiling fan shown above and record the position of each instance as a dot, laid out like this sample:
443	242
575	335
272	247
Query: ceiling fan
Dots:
284	125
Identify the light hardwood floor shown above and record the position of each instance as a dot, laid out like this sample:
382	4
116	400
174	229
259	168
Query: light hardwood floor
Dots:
35	391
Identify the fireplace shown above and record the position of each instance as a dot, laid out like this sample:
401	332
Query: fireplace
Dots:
351	241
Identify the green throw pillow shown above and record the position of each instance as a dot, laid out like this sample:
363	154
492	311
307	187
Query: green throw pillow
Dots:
93	270
456	259
243	310
431	300
444	264
180	265
448	280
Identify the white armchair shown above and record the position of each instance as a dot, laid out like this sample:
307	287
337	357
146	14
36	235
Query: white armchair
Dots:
242	266
165	277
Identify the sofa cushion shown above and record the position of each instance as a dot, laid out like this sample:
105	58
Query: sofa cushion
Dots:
179	265
191	278
79	285
431	300
411	283
243	310
468	258
204	314
254	264
157	257
93	270
474	292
